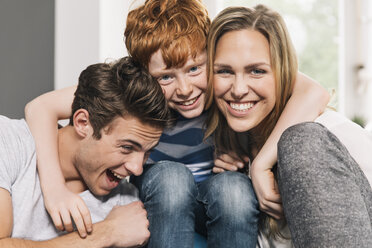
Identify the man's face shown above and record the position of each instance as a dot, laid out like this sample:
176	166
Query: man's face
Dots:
184	87
122	150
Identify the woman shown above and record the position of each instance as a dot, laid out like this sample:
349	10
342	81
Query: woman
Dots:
326	197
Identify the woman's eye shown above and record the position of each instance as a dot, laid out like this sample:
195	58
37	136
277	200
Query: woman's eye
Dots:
223	71
257	71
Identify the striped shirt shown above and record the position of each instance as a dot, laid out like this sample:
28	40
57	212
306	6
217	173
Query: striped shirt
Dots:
184	144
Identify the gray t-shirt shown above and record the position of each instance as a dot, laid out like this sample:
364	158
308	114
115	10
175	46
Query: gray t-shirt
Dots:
18	175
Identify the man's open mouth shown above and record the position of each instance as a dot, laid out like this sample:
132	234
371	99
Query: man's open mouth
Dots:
113	176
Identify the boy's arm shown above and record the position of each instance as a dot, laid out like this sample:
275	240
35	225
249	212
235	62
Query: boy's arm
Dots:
125	226
42	115
307	102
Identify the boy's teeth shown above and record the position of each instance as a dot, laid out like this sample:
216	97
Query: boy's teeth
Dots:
241	106
189	102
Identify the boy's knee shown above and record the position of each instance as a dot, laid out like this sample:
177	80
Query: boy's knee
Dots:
234	193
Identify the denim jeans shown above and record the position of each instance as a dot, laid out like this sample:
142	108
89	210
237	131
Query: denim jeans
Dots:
223	207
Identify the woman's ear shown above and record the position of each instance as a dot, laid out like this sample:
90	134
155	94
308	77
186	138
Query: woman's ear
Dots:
81	123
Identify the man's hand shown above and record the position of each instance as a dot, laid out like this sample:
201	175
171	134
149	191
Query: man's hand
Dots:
128	225
267	192
63	204
226	162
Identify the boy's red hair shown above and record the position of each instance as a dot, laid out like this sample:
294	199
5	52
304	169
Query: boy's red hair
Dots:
178	28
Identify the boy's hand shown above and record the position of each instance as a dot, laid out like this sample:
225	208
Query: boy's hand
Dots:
63	204
226	162
128	225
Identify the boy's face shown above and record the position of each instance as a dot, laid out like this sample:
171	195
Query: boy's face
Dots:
184	87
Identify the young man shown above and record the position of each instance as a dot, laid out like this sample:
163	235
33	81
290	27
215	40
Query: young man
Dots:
107	140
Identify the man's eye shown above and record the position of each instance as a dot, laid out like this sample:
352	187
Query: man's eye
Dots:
127	149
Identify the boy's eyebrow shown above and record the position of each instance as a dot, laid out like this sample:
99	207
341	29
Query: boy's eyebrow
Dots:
161	72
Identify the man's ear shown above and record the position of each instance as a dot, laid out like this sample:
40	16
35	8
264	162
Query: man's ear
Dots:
81	123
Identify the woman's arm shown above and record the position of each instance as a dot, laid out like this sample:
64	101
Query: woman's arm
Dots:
307	102
42	115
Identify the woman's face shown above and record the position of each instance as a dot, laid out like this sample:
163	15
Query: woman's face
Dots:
244	84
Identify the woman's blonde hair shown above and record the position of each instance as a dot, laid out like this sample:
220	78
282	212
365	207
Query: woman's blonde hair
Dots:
283	64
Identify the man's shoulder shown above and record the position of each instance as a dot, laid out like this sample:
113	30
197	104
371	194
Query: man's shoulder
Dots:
17	149
14	128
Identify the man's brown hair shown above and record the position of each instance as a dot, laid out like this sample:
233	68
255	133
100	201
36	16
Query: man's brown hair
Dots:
122	88
179	28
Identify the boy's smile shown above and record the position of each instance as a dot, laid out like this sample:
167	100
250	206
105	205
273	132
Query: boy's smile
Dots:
184	87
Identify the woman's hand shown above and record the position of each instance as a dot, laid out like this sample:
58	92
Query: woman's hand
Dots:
62	204
226	162
267	192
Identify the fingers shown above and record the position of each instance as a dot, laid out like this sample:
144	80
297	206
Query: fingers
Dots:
79	222
273	209
272	205
227	162
84	211
66	219
56	218
217	170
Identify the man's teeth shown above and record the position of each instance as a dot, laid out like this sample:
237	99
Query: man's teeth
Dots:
241	106
189	102
117	175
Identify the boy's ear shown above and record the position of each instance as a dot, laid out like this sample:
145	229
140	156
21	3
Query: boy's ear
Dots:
81	123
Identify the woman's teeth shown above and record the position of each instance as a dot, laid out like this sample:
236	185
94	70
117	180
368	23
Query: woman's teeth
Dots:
241	106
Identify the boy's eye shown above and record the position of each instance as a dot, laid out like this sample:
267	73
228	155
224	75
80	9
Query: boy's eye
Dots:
165	79
194	69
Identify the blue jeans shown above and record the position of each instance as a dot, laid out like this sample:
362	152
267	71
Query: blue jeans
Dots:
223	207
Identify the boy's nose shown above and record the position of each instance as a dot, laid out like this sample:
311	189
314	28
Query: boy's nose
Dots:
184	88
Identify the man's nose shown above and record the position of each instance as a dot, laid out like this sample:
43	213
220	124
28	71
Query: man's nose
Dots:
135	164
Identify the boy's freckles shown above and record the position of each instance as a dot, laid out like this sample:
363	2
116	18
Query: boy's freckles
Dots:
184	87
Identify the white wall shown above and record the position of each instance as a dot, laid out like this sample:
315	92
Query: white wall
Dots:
356	49
87	32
